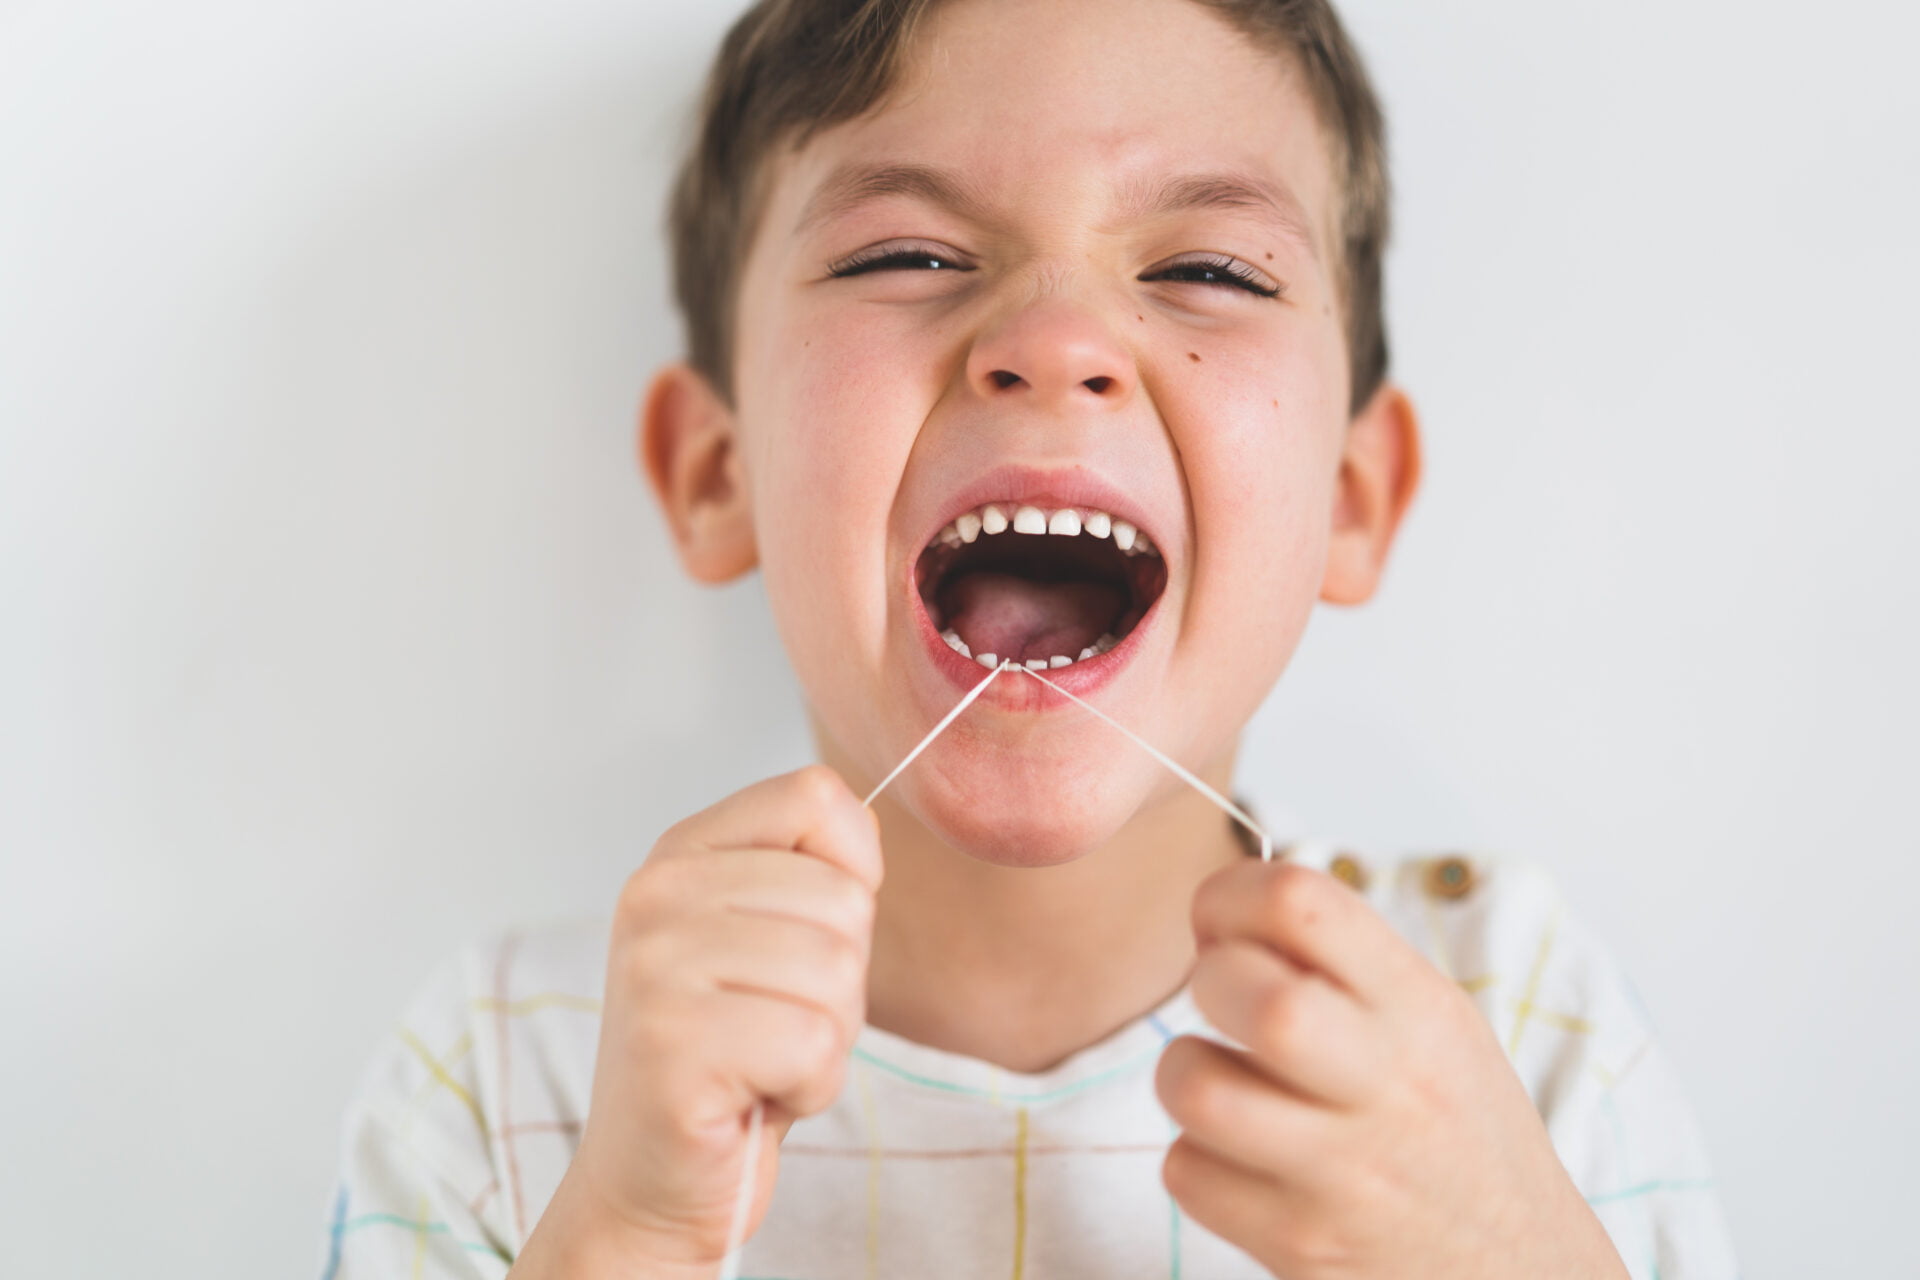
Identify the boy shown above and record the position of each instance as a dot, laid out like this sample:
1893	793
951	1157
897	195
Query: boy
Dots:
1046	333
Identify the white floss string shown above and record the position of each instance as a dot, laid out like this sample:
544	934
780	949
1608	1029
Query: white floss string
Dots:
730	1265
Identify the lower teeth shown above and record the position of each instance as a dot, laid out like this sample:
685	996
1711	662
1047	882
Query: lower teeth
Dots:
1106	642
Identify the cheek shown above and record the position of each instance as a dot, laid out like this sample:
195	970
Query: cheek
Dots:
843	394
1261	437
829	430
1258	428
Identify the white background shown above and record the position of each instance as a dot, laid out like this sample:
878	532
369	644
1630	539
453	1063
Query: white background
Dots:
336	629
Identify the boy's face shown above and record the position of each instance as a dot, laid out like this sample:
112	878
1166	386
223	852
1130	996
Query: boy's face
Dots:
1066	337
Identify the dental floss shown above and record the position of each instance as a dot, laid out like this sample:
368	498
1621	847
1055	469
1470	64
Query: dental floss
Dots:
937	730
730	1265
1180	771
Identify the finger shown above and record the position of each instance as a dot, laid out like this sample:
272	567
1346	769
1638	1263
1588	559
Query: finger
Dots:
789	1054
1301	1029
772	882
811	810
1311	918
792	960
1238	1114
1273	1224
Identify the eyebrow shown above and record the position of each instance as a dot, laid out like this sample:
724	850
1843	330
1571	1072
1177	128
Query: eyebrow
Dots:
1142	199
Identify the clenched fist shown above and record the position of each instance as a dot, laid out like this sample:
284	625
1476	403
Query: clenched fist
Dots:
737	971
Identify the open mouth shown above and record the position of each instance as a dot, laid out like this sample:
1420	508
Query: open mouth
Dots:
1043	588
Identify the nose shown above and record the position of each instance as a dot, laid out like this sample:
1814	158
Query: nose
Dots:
1056	351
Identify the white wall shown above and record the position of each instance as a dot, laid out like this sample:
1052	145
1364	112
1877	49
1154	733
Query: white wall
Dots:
336	628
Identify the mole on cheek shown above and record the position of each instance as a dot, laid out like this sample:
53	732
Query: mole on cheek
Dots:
1194	356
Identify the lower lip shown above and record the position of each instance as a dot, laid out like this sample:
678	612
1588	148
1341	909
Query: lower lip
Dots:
1081	679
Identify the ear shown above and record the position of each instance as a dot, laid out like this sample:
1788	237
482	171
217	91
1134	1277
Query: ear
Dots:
689	448
1379	472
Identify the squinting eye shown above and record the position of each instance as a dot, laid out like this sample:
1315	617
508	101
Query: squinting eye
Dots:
1214	270
858	264
1219	271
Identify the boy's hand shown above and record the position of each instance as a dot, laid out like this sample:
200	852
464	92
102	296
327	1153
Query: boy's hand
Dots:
1375	1128
737	971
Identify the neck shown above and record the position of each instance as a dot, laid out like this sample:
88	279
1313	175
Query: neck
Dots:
1024	966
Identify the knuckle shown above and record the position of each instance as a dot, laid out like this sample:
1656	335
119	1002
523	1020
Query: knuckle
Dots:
1280	1016
636	901
1180	1169
853	1015
655	888
1187	1089
846	962
816	1047
1208	1108
1312	1246
658	1035
647	959
682	835
817	786
1167	1073
821	1087
1218	893
853	906
1290	895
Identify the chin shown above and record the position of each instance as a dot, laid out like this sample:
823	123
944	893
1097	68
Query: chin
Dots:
1038	819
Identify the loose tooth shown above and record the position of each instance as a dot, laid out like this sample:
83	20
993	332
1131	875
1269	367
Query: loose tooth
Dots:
1059	660
1036	664
1029	520
1088	652
1065	522
1106	642
993	520
1124	534
987	659
969	526
1099	524
955	643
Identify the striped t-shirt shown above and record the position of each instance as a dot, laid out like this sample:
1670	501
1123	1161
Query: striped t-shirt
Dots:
935	1166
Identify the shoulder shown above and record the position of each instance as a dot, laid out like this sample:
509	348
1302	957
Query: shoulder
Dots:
488	1065
439	1034
1498	924
1575	1030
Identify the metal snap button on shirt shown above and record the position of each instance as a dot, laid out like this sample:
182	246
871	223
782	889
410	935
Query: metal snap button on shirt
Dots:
1347	868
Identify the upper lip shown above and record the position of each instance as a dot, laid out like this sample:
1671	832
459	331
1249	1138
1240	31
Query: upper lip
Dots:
1050	489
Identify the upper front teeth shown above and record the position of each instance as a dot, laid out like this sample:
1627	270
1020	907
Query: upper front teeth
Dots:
1067	522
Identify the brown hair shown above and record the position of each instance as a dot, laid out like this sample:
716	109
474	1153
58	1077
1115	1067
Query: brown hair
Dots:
788	68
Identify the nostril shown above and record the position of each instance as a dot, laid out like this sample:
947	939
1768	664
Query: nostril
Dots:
1004	378
1099	385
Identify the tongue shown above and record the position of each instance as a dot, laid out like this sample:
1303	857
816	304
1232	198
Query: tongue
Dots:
1019	618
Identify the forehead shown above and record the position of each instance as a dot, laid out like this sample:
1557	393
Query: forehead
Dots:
1098	111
